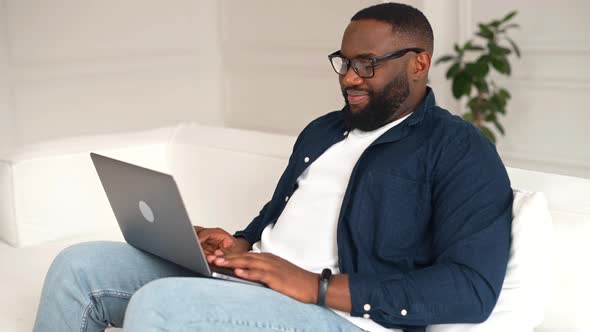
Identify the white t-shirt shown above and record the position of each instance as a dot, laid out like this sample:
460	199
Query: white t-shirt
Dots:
305	233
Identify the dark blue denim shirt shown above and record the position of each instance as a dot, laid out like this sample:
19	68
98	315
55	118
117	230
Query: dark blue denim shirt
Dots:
424	228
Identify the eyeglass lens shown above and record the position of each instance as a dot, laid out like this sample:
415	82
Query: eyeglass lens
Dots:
362	67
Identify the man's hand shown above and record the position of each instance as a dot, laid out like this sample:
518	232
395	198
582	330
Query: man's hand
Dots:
216	241
275	272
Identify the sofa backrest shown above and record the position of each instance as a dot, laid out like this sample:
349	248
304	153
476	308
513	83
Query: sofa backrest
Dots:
569	204
226	175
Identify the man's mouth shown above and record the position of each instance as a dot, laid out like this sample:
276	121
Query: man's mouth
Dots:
356	97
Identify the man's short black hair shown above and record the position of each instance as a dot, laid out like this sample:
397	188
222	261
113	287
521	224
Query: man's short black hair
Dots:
403	18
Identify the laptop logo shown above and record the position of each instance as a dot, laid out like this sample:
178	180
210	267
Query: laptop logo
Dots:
146	211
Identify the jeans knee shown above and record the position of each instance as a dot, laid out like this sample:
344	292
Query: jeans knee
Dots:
80	258
156	292
151	305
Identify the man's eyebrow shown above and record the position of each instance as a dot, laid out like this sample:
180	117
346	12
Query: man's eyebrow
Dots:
362	55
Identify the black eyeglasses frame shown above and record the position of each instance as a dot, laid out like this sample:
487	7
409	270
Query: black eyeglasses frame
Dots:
374	61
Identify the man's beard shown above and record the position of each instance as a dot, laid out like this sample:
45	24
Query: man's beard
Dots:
382	106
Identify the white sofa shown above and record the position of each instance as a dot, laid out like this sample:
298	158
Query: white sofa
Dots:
51	197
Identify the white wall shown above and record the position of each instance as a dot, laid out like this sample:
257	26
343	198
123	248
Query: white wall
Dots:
86	67
7	133
277	77
72	67
547	121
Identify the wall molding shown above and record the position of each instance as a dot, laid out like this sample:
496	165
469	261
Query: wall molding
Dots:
269	47
567	49
465	20
547	83
103	66
466	30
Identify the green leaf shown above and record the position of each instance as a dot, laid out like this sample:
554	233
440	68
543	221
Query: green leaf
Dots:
485	58
501	65
488	133
509	16
499	127
485	32
486	106
458	49
498	51
474	48
504	93
461	85
499	103
453	70
468	117
469	46
481	85
478	69
472	104
514	46
495	23
444	58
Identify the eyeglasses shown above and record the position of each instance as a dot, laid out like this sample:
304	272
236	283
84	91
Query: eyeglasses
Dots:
364	67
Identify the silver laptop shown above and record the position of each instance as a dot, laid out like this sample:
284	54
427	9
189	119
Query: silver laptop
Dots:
152	216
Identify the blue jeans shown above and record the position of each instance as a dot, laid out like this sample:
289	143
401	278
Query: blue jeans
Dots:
92	285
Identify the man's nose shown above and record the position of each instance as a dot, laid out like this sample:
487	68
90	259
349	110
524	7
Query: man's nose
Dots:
351	78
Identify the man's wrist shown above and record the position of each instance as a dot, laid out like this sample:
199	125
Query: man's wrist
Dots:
314	288
243	244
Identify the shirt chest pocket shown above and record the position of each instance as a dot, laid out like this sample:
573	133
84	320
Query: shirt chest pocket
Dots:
397	211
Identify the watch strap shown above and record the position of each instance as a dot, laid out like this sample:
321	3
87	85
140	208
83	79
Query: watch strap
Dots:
323	287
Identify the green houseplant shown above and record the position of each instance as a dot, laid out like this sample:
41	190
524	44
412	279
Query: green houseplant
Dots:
471	67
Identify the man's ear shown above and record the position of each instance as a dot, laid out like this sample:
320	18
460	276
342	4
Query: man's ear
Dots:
420	66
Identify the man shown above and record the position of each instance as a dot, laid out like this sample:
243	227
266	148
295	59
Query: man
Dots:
407	206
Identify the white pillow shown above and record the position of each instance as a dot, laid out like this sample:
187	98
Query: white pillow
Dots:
524	293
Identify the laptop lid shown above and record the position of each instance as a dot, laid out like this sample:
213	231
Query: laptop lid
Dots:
150	212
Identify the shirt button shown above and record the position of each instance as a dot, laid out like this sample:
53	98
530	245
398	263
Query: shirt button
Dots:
306	159
404	312
286	198
367	307
345	133
367	316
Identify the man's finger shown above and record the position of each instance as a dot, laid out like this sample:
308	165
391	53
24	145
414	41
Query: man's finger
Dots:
211	258
245	261
253	274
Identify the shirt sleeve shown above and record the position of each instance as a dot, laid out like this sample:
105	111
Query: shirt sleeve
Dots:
471	220
253	231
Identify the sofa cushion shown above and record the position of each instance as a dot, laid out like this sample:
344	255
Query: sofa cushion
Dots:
569	204
531	255
57	193
524	292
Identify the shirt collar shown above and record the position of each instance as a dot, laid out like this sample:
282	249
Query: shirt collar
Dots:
398	132
428	102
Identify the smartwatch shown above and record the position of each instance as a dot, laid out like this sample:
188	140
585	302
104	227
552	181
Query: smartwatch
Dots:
324	279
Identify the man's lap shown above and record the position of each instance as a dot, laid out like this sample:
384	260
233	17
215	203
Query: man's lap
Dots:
192	303
168	297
